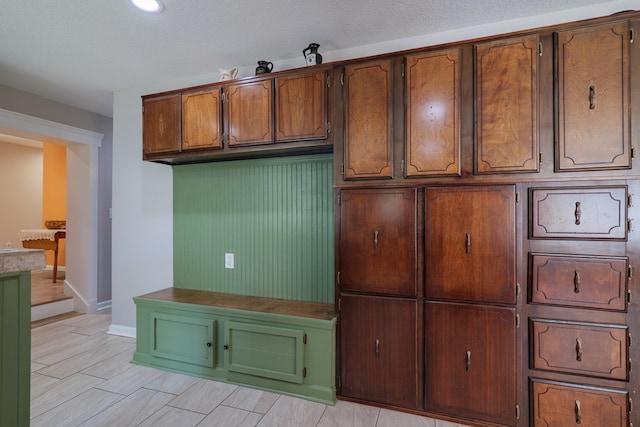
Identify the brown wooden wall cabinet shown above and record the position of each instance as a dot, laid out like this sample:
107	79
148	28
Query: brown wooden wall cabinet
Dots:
283	115
486	215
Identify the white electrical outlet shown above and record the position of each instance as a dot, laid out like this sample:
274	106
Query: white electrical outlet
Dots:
229	261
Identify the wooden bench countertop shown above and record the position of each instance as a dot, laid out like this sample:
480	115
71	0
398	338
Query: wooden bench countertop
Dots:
286	307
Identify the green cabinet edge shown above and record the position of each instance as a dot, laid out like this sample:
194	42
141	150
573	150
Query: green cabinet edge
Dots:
318	356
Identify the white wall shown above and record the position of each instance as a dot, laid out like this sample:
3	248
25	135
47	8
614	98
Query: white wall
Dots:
142	191
20	191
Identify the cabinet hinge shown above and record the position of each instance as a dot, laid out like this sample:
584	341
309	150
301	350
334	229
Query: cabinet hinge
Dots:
342	169
517	197
630	343
402	165
304	339
629	226
328	81
328	127
630	405
631	35
342	79
629	296
338	279
629	200
633	153
339	381
630	365
517	412
517	288
224	97
539	49
402	70
339	304
304	372
517	321
630	272
540	157
339	199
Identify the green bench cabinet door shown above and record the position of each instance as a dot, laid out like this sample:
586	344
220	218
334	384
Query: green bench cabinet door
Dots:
183	338
264	351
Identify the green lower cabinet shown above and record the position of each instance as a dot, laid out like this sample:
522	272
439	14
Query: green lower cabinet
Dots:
287	354
15	348
265	351
183	338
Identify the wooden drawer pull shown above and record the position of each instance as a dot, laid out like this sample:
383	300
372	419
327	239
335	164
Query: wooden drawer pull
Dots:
578	410
467	243
578	349
468	361
592	97
375	240
576	282
578	213
377	349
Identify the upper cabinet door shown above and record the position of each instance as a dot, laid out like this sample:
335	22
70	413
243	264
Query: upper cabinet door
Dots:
507	106
301	107
161	125
432	96
592	95
470	252
201	119
250	113
368	112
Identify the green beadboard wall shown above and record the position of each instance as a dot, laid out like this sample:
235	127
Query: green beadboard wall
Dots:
275	215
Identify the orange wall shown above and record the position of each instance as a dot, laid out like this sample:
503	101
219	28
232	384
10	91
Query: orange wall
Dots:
54	192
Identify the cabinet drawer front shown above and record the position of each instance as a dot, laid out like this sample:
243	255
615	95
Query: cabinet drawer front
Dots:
580	348
591	282
184	339
561	404
579	213
264	351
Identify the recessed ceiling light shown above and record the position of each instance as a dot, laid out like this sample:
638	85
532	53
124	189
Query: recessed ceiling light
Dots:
153	6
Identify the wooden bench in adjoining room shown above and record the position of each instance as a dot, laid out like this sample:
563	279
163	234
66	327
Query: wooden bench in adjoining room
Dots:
279	345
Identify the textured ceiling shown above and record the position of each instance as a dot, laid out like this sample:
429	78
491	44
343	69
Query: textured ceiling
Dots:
79	52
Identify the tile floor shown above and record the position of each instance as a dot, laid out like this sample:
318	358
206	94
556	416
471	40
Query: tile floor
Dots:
82	376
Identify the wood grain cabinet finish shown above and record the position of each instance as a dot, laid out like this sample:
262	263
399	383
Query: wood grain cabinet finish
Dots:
161	125
379	349
507	105
249	110
593	213
202	119
579	281
432	116
592	95
378	246
561	404
368	120
470	243
470	361
301	107
580	348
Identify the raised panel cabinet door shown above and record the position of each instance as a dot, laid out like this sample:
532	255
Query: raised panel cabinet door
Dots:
201	119
249	108
579	281
507	106
470	361
470	243
379	353
378	241
556	404
368	120
161	125
432	96
592	96
301	107
588	349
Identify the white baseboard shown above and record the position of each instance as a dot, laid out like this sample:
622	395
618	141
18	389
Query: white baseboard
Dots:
124	331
